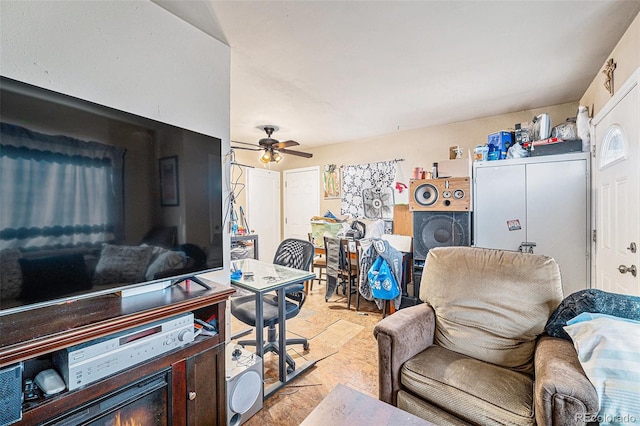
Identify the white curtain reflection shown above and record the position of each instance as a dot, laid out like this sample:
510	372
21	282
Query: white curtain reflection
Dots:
57	191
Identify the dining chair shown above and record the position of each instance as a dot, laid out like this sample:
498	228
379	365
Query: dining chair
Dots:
352	269
342	268
319	264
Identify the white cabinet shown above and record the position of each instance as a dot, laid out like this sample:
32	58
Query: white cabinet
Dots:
539	205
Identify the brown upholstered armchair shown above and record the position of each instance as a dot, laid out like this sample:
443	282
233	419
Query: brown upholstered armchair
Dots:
475	353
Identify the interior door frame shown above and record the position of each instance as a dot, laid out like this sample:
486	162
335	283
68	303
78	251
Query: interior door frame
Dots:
629	84
316	188
266	247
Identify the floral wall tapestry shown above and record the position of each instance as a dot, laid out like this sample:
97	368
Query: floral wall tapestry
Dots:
359	177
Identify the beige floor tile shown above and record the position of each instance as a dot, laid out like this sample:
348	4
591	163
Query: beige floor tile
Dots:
342	344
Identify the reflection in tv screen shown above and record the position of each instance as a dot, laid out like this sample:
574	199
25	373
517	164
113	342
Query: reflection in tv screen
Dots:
94	200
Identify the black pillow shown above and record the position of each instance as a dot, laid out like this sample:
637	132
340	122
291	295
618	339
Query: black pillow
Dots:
53	276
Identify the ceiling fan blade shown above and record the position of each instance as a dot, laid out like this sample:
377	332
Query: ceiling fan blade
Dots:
246	143
247	148
298	153
285	144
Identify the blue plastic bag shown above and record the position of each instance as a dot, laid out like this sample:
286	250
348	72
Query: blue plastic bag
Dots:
329	215
383	283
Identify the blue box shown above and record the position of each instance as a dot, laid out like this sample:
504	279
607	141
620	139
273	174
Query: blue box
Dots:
501	141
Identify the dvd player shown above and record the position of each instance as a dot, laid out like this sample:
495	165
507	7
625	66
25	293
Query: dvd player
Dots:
89	362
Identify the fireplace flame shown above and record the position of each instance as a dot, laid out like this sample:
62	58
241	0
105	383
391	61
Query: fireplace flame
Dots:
127	422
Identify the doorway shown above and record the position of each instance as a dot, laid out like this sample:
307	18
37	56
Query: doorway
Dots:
263	209
301	201
617	191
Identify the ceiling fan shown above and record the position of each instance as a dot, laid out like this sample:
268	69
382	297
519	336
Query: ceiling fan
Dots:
272	147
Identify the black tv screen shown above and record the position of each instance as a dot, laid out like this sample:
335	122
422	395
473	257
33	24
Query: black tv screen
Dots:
96	200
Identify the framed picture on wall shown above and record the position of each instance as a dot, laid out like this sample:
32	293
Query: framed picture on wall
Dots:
169	191
331	181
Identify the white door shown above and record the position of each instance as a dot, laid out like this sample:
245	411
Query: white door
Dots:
301	201
263	210
617	190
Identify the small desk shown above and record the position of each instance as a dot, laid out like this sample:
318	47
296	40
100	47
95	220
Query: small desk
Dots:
269	277
346	406
406	263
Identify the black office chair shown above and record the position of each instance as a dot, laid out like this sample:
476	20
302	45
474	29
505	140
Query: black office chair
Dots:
293	253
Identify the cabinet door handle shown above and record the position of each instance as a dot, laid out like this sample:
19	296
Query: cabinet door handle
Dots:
528	246
192	396
624	269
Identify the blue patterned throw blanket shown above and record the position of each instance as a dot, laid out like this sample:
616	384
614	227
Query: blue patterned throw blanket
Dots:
593	301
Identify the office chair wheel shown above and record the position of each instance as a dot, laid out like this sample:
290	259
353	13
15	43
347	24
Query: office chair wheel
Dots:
306	346
291	365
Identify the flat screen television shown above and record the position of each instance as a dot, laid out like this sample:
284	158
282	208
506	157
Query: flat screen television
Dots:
94	200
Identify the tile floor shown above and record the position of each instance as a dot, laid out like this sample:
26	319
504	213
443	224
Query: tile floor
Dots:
342	343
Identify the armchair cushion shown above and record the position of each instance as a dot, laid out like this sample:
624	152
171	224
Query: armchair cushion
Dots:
420	408
476	391
491	304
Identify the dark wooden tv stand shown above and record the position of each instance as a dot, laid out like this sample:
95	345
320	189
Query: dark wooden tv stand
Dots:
196	370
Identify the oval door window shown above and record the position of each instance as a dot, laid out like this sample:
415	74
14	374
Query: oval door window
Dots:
614	146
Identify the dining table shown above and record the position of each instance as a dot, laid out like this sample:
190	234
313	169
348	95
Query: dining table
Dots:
261	278
407	258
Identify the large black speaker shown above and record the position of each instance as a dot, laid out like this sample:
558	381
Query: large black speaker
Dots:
433	229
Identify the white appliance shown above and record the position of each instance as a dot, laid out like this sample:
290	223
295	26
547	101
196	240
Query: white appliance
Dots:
89	362
538	205
244	385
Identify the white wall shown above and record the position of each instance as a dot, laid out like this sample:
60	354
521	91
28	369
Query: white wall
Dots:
626	55
130	55
422	147
419	147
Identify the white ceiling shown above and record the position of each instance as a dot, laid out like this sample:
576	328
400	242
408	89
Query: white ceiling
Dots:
333	71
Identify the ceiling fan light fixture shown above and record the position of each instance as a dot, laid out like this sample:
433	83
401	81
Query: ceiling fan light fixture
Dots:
265	157
273	149
270	156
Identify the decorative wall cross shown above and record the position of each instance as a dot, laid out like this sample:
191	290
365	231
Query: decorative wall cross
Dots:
609	67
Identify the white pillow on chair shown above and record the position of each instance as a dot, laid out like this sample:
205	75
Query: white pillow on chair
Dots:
609	351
